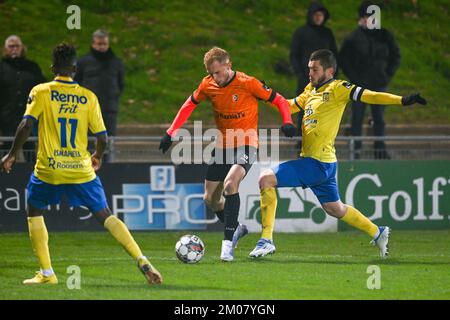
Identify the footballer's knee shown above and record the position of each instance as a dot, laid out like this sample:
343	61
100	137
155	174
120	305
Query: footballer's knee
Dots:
102	215
33	212
233	179
212	203
335	209
267	179
230	186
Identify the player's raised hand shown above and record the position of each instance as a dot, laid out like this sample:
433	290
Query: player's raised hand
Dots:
7	162
413	98
288	129
96	162
166	142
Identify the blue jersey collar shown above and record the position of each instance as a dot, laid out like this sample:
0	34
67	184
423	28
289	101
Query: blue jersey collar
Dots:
322	84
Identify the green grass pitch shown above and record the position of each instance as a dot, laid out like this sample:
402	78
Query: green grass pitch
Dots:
306	266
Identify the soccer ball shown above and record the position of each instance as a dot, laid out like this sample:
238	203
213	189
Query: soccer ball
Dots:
190	249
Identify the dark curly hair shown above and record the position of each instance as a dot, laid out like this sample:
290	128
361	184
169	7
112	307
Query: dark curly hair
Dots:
326	58
64	58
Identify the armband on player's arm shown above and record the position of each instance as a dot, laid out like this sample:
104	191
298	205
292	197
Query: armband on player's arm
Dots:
183	114
374	97
283	107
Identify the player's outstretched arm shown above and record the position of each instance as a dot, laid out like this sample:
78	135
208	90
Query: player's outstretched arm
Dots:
374	97
183	114
22	134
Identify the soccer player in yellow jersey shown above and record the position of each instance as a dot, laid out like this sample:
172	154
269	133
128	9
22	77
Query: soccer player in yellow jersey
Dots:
66	111
323	100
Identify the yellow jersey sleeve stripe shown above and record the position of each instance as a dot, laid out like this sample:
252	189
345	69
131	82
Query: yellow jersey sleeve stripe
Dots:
101	132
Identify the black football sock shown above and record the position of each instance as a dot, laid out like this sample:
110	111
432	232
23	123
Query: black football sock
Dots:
220	215
231	211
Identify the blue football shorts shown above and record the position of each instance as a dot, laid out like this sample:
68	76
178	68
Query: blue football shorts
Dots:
320	177
89	194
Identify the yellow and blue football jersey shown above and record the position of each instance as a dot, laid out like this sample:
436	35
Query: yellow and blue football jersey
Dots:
65	112
323	108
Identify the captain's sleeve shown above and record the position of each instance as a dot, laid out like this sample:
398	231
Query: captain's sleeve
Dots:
383	98
34	105
96	124
346	91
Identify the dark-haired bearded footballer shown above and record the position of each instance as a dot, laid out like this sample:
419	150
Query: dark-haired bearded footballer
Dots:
323	100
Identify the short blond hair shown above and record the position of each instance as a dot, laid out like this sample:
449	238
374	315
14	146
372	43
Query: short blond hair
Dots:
216	54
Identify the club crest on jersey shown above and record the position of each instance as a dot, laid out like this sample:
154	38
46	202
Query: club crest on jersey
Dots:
326	96
235	97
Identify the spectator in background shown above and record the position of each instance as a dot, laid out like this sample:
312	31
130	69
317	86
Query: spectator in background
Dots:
307	39
18	76
103	72
369	58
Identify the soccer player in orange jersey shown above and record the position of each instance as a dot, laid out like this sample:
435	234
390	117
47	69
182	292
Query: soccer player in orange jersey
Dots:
234	96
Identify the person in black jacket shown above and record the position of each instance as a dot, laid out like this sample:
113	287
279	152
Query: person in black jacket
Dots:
369	58
18	76
103	72
307	39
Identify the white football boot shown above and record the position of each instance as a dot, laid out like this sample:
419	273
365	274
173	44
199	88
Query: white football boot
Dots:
226	254
263	248
240	232
382	241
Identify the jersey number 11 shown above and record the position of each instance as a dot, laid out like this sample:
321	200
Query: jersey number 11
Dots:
73	131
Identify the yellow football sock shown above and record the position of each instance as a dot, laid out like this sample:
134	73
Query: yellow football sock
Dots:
39	240
120	232
268	210
356	219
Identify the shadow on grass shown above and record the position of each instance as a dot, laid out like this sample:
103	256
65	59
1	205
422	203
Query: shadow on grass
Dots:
391	261
164	287
394	261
